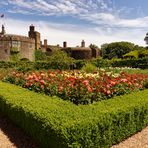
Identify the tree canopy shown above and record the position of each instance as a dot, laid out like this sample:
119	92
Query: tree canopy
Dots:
116	49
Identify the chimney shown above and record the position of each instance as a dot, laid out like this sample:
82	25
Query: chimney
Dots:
64	44
32	28
45	42
83	43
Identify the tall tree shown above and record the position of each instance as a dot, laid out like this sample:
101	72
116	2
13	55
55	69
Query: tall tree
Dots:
116	49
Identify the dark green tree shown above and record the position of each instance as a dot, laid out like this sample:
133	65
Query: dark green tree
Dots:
116	49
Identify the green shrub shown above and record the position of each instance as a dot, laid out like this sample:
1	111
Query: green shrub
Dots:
134	63
99	62
40	55
59	124
4	64
60	60
89	68
132	54
143	53
78	64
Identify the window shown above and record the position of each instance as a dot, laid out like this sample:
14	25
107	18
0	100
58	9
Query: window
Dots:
16	44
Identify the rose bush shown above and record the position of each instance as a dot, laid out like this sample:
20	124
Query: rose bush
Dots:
79	87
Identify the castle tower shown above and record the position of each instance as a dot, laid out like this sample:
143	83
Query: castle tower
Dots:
35	35
83	43
65	44
45	42
32	28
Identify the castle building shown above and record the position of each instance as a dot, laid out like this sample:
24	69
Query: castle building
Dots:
81	52
49	49
17	47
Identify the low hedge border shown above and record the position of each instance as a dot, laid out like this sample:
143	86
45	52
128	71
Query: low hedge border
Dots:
134	63
55	123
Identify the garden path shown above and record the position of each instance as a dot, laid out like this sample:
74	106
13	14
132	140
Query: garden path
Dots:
139	140
13	137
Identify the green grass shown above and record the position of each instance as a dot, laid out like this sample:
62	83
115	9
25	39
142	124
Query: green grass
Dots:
137	71
127	70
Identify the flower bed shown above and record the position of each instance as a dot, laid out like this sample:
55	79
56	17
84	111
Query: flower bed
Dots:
79	87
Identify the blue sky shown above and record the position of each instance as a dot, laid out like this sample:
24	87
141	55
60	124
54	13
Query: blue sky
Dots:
95	21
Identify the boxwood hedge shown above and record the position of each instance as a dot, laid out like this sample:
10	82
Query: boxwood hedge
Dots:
55	123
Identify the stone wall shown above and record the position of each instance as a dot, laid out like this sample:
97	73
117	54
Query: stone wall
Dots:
23	46
79	52
5	50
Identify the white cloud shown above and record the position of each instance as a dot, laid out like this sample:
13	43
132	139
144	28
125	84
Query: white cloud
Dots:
98	12
108	25
57	33
59	7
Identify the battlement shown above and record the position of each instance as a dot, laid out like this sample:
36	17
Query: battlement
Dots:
13	37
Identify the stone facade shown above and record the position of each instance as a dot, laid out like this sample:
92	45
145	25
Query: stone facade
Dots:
81	52
17	46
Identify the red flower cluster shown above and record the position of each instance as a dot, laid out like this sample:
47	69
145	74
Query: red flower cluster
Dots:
78	87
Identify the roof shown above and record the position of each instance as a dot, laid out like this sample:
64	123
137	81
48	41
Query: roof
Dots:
52	47
15	35
80	48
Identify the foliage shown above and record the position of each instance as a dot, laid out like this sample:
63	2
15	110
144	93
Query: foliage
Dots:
24	66
4	72
137	53
134	63
128	70
143	53
78	64
57	124
60	60
78	87
132	54
99	62
89	68
39	55
14	50
116	49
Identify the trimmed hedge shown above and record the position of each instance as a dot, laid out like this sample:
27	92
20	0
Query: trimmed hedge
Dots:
59	124
134	63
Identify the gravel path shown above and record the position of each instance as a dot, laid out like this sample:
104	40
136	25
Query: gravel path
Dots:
139	140
13	137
